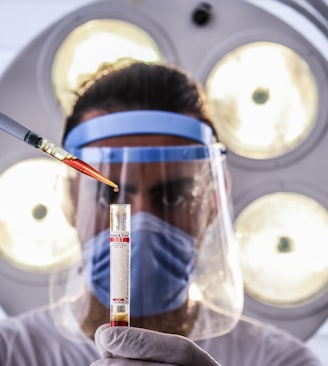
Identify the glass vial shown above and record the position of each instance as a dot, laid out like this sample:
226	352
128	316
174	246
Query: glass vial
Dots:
120	215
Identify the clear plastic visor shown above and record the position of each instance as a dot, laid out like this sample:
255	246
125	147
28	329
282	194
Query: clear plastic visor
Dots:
184	273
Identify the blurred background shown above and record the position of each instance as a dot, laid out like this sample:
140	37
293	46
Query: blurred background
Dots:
264	68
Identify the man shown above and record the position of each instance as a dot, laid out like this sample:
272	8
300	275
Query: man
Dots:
145	126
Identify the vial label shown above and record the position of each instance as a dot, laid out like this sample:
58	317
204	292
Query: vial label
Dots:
120	267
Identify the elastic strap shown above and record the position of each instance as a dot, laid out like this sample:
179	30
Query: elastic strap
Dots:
139	123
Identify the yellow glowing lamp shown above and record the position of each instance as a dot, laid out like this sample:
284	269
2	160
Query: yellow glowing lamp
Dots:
91	44
264	99
34	232
283	248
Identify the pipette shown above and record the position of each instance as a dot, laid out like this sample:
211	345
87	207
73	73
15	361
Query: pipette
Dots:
22	133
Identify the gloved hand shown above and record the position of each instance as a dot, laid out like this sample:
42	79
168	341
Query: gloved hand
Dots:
128	346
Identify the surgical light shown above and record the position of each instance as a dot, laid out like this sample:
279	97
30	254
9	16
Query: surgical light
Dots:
283	244
264	66
264	99
34	232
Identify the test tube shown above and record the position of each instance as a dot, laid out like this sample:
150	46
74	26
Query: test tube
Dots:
120	215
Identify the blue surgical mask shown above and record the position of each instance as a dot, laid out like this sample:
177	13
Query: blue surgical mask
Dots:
162	259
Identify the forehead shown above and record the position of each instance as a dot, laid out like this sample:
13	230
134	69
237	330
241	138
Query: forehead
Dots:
146	173
151	174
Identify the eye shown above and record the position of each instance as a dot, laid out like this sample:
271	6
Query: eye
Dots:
103	202
173	199
106	195
173	194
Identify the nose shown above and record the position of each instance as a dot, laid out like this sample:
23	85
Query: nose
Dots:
140	202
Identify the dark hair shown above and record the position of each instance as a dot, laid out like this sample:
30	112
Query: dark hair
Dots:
138	85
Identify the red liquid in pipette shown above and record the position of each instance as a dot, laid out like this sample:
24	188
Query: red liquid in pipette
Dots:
85	168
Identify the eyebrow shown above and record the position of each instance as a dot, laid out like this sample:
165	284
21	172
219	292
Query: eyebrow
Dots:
175	184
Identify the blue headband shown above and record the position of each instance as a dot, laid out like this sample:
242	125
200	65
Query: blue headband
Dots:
138	123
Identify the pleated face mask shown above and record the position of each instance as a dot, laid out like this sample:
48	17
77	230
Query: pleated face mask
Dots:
162	259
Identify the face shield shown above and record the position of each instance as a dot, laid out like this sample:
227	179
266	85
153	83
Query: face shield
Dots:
184	273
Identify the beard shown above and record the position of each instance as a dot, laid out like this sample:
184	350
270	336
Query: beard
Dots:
180	321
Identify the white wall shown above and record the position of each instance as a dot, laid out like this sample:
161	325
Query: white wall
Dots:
21	21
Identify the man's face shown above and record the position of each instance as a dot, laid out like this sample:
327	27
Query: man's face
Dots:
175	192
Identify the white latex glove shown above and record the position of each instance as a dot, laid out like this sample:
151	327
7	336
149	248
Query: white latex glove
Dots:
128	346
